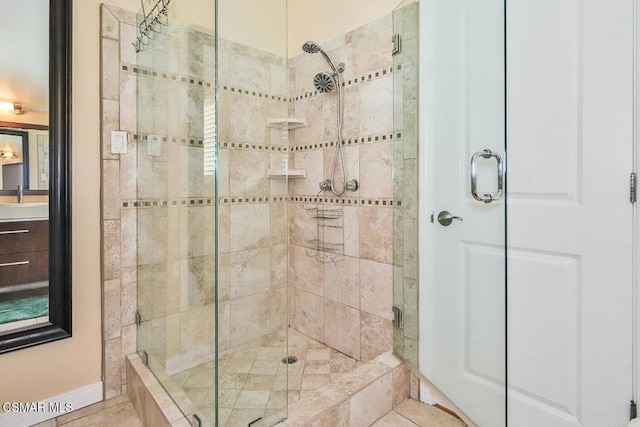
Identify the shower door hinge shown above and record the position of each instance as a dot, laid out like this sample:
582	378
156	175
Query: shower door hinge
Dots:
397	317
633	411
397	45
145	358
138	318
633	187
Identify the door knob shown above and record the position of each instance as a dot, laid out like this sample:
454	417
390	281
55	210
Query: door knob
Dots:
445	218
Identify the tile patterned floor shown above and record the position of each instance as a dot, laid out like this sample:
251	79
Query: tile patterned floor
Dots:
411	413
120	412
255	383
113	412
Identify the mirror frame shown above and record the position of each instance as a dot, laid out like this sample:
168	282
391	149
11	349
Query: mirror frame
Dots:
59	325
24	136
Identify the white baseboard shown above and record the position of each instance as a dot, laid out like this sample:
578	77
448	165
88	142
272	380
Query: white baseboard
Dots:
78	398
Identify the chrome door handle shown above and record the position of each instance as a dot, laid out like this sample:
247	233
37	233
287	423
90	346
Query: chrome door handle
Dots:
445	218
487	197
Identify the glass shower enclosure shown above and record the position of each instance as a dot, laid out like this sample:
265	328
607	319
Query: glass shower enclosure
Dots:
211	227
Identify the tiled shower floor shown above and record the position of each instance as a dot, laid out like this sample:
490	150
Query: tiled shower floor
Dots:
255	383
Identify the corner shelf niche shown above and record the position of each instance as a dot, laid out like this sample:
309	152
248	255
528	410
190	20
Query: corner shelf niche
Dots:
282	173
286	123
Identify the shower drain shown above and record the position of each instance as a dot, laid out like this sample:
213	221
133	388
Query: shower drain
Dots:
289	360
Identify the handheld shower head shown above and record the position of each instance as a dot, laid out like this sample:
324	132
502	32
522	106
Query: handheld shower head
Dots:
313	47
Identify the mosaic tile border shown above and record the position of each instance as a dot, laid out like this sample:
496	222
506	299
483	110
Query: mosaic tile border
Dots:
186	202
353	201
195	202
190	141
252	92
348	82
197	81
134	69
256	147
358	140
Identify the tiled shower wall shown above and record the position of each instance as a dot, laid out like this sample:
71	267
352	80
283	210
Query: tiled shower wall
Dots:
119	293
345	302
253	215
345	299
158	232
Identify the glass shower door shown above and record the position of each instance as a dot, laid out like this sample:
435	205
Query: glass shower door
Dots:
463	262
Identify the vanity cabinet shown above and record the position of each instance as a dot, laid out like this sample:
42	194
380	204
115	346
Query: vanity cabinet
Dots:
24	252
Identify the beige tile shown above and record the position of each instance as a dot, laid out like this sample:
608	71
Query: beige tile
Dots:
342	328
376	335
247	172
111	249
119	411
111	307
48	423
279	309
376	234
314	381
259	382
110	73
302	227
111	189
250	317
309	314
427	415
129	295
371	403
110	122
376	288
352	231
376	96
336	416
342	281
322	353
113	368
128	103
393	419
401	385
306	271
252	399
249	226
109	25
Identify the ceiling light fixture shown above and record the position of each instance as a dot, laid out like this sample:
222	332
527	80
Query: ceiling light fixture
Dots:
14	107
8	155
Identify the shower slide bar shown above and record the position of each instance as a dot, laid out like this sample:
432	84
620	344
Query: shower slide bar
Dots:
487	197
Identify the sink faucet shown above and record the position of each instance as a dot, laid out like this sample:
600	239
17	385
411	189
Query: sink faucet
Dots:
19	193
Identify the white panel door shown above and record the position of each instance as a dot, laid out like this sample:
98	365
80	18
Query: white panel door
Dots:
569	116
569	142
463	281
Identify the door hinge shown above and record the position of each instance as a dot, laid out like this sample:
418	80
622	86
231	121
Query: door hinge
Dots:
633	411
138	318
632	187
145	358
397	317
397	44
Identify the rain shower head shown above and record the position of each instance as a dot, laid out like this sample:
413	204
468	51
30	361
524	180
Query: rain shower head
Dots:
324	82
313	47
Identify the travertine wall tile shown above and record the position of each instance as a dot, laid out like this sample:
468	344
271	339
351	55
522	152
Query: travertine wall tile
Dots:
372	402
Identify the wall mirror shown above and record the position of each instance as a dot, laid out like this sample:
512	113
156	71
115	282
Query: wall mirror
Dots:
35	165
